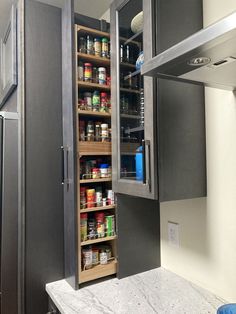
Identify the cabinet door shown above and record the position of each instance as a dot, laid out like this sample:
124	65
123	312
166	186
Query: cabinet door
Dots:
133	137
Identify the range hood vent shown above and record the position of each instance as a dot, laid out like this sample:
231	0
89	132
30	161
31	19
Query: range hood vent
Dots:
207	57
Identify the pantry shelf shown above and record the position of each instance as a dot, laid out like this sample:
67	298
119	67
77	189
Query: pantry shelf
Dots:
98	271
94	148
88	85
96	60
94	113
105	239
94	209
84	29
95	180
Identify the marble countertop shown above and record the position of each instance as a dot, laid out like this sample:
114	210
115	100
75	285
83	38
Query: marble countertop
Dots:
155	291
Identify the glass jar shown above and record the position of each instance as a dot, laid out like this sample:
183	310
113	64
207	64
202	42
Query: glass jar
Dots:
97	47
88	100
104	47
104	101
95	258
80	71
104	170
95	173
90	131
98	198
92	229
82	197
102	76
95	75
104	132
98	131
89	45
82	130
87	255
88	72
88	170
103	257
83	226
96	101
82	45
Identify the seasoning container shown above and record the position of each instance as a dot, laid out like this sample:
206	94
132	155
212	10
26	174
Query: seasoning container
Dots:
100	226
97	47
82	45
91	228
103	257
82	105
88	170
89	44
108	81
88	100
82	197
96	101
95	75
103	102
110	225
82	130
102	76
104	132
98	131
80	71
95	173
90	198
104	47
90	131
99	199
83	226
108	252
88	72
95	256
87	255
104	170
104	201
110	197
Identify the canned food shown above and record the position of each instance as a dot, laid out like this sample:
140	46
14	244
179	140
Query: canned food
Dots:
110	225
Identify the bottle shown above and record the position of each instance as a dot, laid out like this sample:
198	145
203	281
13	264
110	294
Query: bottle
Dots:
80	71
90	131
90	47
102	76
82	45
104	47
96	100
103	102
97	47
88	72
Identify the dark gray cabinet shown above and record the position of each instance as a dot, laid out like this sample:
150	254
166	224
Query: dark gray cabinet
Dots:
164	157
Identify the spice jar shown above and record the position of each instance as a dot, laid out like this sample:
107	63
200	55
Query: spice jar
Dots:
87	255
92	228
82	197
96	101
102	76
104	201
103	102
104	170
104	132
97	47
83	226
82	130
110	225
88	72
98	131
80	71
95	173
95	75
95	257
104	47
99	198
88	171
90	49
82	45
100	226
90	198
103	257
88	100
90	131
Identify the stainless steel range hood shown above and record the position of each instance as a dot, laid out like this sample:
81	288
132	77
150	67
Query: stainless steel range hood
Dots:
208	57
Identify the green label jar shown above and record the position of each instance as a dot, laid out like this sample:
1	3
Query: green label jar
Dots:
96	101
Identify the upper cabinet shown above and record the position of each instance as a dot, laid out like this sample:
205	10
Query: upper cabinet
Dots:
133	113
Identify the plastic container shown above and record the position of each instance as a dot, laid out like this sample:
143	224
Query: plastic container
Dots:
227	309
104	170
139	163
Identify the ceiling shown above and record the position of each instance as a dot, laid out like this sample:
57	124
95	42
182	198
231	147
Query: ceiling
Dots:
93	8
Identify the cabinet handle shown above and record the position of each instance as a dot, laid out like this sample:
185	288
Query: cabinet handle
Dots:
62	166
148	181
144	161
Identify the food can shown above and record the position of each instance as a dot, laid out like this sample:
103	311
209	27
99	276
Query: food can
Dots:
87	255
90	198
100	227
102	76
110	225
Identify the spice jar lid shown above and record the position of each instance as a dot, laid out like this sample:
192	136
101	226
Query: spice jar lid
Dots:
104	40
104	126
101	69
96	92
104	166
97	39
84	216
88	64
103	94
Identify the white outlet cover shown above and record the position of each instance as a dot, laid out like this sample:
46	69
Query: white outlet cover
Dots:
173	233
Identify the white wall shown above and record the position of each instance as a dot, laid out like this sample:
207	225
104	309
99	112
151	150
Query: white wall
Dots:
207	253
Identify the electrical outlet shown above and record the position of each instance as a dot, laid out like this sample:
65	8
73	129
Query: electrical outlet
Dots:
173	233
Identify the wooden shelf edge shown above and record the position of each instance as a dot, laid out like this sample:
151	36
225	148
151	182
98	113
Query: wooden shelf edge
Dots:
94	113
91	30
95	180
93	58
100	240
81	154
93	85
94	209
98	271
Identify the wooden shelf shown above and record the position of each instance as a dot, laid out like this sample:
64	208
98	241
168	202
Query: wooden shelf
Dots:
129	90
95	180
94	209
100	240
94	148
98	271
127	65
84	29
87	85
94	113
94	59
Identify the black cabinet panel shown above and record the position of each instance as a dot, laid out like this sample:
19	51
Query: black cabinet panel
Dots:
138	221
